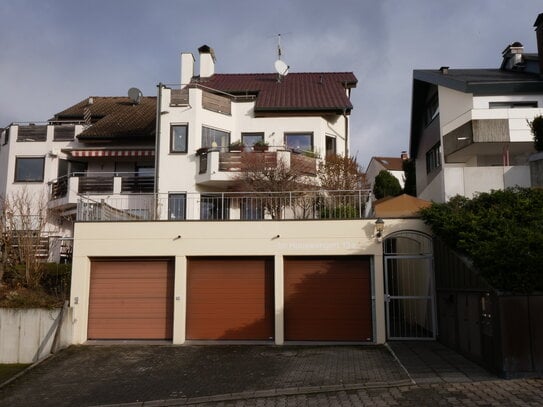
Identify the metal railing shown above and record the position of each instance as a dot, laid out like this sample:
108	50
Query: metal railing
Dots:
223	206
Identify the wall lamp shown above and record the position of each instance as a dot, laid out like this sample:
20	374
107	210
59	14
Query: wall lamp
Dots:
379	228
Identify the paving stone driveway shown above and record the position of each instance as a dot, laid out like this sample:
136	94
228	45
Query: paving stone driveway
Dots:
92	375
154	375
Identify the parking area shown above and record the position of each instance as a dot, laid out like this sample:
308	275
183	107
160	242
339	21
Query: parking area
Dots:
245	374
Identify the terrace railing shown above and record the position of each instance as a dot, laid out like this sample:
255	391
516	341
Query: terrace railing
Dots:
225	206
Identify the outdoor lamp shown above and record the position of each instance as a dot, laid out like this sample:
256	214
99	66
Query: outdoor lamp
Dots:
379	228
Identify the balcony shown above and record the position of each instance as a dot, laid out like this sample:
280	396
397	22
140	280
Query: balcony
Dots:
217	168
64	191
225	206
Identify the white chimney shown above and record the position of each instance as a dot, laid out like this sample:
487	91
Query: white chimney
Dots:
207	61
187	68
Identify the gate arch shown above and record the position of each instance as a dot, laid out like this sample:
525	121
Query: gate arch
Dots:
409	286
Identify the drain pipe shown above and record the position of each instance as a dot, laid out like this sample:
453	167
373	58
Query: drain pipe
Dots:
157	136
346	132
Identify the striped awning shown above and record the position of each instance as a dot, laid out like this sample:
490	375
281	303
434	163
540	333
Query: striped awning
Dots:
112	153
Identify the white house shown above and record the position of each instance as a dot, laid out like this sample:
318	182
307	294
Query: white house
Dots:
470	127
394	165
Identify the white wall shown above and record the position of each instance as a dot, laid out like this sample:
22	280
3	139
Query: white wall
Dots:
26	335
226	239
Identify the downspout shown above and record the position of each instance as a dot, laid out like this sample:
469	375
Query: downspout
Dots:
157	136
346	132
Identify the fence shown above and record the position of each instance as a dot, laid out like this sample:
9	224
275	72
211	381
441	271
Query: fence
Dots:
300	205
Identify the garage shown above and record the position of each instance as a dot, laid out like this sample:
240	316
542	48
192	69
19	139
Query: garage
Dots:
230	298
131	299
328	298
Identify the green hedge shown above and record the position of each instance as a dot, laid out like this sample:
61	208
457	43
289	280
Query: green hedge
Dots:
501	231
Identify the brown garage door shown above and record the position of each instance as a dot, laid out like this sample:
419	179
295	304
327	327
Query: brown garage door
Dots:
131	299
328	299
230	298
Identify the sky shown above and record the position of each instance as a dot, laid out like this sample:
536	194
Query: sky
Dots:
56	53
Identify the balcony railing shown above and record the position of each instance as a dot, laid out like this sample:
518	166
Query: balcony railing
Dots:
224	206
101	183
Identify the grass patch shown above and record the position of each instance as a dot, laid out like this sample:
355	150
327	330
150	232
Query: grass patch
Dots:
9	370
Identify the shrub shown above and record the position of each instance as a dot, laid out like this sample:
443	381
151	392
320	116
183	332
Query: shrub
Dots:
536	126
501	231
386	184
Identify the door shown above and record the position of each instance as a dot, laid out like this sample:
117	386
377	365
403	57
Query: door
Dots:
328	299
131	299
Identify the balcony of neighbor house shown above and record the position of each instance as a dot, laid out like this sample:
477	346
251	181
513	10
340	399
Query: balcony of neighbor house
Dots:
501	129
218	167
225	206
64	192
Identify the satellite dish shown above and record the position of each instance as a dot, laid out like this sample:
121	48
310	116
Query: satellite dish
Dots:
135	95
281	67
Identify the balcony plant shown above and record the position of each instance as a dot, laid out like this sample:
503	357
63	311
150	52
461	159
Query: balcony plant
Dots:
261	145
236	146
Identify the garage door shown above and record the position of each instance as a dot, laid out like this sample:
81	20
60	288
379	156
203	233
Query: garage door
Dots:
131	299
328	299
230	298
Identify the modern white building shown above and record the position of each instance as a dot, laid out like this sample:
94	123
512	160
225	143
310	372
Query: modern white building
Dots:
470	127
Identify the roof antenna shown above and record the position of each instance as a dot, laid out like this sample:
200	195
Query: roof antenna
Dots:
280	66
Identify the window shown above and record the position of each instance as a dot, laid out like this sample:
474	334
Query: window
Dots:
432	110
177	206
214	207
179	138
512	105
299	141
252	208
249	139
433	158
215	138
330	145
29	169
6	136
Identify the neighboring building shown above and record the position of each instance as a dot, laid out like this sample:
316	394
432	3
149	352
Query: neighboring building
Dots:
100	146
469	127
394	165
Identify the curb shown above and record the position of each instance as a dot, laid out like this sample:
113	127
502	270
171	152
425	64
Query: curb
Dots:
289	391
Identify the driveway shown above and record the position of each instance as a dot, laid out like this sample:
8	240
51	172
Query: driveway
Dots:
240	375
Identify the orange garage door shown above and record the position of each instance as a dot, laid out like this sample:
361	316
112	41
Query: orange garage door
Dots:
230	298
328	299
131	299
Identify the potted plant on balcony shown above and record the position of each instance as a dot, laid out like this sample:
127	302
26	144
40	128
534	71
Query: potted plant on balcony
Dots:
260	145
236	146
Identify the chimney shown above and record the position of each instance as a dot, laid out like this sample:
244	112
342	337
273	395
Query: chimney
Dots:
444	70
539	34
404	156
187	68
512	57
207	61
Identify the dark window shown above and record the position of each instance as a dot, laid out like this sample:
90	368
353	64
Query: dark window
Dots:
512	105
214	207
252	208
6	136
433	158
299	141
29	169
177	206
215	138
249	139
330	145
179	138
432	109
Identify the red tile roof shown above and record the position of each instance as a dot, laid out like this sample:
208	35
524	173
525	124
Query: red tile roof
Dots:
310	92
113	117
390	163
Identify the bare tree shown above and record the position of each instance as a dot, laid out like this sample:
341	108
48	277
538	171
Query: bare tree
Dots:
272	179
341	173
23	217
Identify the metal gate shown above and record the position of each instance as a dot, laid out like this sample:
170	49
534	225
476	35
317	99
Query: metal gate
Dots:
409	286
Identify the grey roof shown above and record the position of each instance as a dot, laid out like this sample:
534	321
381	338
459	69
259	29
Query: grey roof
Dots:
483	81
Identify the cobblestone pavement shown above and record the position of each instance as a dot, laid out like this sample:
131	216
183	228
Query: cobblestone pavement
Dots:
427	374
